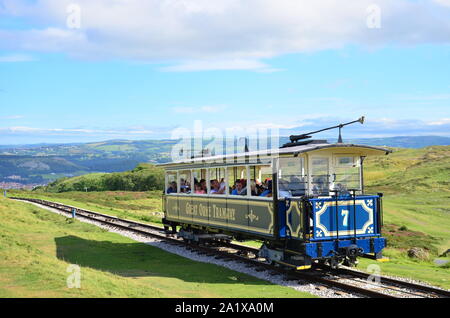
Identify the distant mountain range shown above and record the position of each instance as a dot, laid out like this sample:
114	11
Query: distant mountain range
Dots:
404	142
40	164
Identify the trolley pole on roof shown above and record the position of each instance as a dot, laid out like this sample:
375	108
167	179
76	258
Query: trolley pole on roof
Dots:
296	138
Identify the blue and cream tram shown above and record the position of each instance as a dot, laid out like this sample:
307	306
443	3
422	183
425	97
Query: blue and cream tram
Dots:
306	203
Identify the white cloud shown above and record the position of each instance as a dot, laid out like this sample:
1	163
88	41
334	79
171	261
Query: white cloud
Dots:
381	127
13	58
232	64
443	2
443	121
220	34
373	127
80	131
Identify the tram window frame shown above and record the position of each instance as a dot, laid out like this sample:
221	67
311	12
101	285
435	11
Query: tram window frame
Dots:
180	173
240	169
203	175
312	176
217	176
354	164
167	181
252	175
301	174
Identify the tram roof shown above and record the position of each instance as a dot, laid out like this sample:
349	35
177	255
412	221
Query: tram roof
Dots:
363	149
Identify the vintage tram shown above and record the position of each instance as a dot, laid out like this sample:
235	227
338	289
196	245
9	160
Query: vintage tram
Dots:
306	202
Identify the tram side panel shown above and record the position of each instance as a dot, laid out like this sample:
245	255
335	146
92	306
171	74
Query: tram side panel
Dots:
261	217
200	210
171	207
218	213
238	213
295	218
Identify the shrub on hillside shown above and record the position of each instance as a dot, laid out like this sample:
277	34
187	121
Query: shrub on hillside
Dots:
144	177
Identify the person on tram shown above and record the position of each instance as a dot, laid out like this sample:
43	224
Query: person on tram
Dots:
237	188
172	188
203	185
268	191
198	189
215	187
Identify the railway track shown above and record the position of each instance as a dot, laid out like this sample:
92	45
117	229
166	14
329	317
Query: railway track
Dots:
346	280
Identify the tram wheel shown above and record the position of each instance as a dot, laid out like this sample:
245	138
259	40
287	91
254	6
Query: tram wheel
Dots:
350	262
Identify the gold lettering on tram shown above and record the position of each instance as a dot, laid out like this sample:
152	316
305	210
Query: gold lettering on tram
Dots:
223	213
212	211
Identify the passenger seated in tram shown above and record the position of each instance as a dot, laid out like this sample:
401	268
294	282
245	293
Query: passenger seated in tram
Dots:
215	187
320	187
198	189
341	189
223	186
259	187
297	186
172	188
237	188
203	185
253	187
268	192
284	191
185	186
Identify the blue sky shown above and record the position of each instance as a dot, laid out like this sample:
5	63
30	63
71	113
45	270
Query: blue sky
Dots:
141	74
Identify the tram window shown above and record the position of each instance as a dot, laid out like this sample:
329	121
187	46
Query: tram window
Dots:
217	181
171	186
261	180
237	180
292	179
200	186
346	174
320	178
185	181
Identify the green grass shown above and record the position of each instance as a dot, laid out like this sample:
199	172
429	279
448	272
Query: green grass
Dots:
416	184
139	206
403	266
37	246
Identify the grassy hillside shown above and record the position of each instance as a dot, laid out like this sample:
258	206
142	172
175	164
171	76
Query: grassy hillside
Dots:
411	170
41	164
144	177
37	246
416	186
139	206
416	208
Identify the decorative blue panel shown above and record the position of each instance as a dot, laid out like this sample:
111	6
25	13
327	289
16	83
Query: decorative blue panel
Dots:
326	215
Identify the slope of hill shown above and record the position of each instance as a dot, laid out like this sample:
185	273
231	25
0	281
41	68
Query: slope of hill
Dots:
416	190
39	250
416	184
397	142
411	170
42	164
28	165
144	177
405	142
